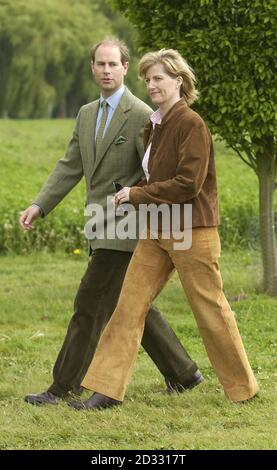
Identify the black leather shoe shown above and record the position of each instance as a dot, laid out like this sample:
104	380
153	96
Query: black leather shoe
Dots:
95	402
43	398
176	387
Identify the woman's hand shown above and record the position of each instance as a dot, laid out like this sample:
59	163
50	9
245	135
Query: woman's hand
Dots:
122	196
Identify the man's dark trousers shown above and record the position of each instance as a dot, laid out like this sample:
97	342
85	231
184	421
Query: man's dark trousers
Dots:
94	304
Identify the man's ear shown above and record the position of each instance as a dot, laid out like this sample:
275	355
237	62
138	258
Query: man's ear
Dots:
92	67
125	65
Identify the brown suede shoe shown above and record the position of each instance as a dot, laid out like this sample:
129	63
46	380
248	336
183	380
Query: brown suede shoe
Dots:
95	402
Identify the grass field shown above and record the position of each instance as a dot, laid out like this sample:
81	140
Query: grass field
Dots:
36	297
29	150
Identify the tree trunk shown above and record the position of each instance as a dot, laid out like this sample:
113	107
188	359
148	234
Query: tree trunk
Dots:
6	55
61	109
267	175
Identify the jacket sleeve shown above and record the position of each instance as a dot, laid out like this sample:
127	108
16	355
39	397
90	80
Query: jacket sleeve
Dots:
191	172
66	174
144	119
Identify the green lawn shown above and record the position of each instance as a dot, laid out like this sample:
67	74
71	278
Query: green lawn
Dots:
28	152
36	296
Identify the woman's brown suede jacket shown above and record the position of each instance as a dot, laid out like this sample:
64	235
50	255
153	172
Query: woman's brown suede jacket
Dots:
181	166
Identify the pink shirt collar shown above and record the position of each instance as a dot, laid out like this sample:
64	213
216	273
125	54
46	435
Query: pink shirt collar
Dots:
156	117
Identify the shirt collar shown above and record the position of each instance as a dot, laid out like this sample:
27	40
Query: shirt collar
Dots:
156	117
114	99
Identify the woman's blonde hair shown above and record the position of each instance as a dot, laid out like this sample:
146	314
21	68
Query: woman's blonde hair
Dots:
175	66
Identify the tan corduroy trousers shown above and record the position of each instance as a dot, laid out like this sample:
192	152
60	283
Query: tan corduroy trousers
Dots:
152	263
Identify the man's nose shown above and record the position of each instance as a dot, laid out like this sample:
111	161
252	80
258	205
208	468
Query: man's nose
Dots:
107	68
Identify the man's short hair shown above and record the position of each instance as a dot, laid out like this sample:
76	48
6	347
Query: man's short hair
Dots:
123	48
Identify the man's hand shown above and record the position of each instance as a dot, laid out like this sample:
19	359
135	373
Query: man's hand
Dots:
122	196
28	216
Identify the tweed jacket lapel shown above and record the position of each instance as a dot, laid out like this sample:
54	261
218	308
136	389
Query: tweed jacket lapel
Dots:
89	135
118	119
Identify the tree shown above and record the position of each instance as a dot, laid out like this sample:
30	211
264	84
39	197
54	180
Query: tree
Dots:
44	55
231	44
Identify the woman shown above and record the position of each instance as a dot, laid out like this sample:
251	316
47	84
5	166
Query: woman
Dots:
179	169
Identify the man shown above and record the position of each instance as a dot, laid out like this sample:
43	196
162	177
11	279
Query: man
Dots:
106	146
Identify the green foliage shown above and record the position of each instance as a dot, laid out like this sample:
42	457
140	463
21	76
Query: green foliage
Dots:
238	201
231	45
44	55
28	152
